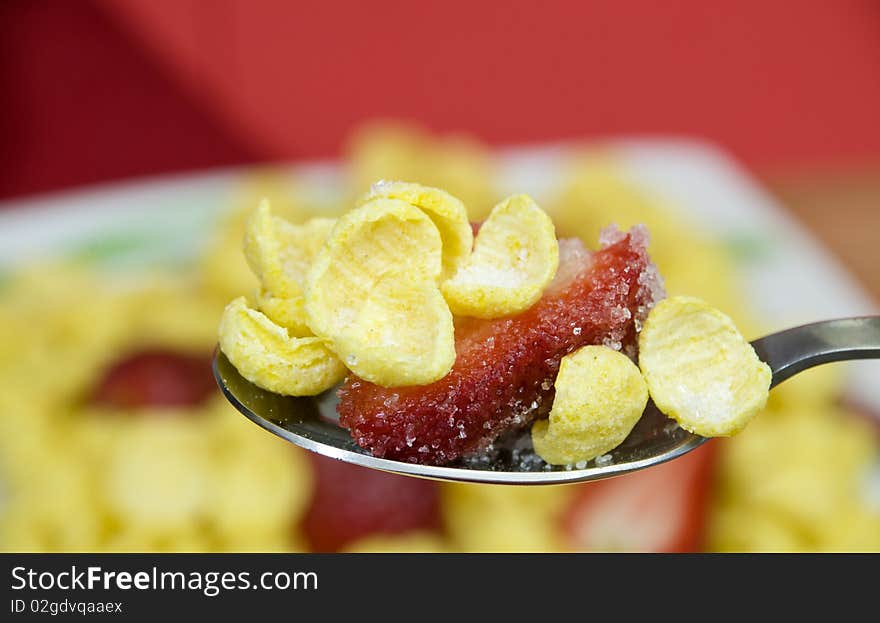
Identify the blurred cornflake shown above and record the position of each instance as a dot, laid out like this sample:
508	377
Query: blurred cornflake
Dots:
113	439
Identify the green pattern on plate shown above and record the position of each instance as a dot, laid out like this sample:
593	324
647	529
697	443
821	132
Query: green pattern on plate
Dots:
748	247
129	248
113	246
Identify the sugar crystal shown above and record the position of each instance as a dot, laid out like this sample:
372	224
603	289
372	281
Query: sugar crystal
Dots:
502	377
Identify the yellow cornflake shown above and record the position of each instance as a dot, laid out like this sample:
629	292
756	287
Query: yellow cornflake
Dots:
155	475
515	257
223	268
504	518
447	212
403	334
266	355
281	253
250	504
289	313
379	236
805	466
600	395
699	368
372	295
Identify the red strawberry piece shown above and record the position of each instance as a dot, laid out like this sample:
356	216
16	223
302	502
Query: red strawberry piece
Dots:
156	378
352	502
659	509
504	370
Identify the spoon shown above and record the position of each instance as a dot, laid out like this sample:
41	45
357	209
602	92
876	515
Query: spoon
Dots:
311	423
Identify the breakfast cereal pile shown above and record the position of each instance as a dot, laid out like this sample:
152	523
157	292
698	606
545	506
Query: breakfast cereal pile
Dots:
109	440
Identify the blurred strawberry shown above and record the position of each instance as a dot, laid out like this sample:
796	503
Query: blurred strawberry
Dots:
353	502
156	378
660	509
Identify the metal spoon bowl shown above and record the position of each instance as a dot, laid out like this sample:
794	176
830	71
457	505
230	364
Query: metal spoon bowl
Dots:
311	423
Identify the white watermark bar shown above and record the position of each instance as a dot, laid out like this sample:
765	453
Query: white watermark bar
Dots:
209	583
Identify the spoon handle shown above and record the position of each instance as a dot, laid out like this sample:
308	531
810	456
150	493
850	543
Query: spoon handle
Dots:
794	350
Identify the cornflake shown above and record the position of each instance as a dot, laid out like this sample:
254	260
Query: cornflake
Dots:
600	395
699	369
372	295
447	212
266	355
515	258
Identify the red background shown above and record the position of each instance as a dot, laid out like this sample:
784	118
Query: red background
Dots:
106	89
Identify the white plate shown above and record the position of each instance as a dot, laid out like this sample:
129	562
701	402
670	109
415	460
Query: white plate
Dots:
166	219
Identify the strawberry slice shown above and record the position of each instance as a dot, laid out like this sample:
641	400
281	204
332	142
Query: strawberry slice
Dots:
660	509
351	502
155	378
504	369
